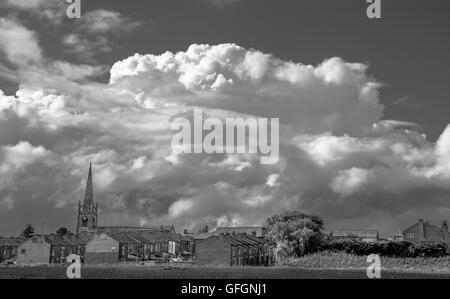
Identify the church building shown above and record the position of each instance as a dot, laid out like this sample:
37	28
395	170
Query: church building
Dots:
88	210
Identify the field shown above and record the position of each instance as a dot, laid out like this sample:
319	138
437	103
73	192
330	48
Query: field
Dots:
193	272
326	259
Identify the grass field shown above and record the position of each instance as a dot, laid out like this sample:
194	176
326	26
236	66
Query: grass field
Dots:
189	272
326	259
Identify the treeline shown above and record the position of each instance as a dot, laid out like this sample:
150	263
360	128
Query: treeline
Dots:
385	248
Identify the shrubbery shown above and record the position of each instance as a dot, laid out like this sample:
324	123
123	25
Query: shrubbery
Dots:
386	248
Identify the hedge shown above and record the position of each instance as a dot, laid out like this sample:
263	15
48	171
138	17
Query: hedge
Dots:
386	248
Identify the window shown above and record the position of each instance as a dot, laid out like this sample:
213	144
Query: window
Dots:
410	236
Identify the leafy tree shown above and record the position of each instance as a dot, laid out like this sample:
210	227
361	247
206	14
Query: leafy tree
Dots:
28	232
62	231
294	234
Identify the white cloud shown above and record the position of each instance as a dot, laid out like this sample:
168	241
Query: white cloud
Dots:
349	181
19	44
52	11
101	21
337	157
335	96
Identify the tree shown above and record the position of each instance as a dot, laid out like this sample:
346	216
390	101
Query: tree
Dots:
62	231
28	232
294	234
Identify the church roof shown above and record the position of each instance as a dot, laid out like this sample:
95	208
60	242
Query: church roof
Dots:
135	228
89	195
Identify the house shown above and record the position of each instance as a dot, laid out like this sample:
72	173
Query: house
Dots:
8	248
48	249
135	245
365	235
424	231
398	236
110	248
232	250
256	231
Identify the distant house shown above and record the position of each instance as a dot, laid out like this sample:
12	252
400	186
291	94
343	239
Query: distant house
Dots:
49	249
110	248
256	231
398	236
8	248
366	235
424	231
232	250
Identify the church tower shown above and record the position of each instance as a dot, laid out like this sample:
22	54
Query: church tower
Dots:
88	210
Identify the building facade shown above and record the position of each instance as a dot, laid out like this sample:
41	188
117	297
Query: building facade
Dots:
9	247
423	231
365	235
233	250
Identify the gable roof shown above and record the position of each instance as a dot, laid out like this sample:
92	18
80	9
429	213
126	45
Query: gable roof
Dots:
11	241
359	233
259	230
122	238
135	228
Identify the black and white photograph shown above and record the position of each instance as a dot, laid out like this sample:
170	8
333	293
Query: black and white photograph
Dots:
224	144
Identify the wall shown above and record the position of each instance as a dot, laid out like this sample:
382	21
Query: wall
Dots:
102	249
33	252
101	258
213	251
422	231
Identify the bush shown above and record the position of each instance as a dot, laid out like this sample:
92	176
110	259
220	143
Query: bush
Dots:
386	248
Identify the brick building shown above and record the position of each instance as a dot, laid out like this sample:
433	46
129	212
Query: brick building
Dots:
424	231
50	249
257	231
8	248
232	250
366	235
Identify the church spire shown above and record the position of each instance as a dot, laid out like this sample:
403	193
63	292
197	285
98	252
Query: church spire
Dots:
89	195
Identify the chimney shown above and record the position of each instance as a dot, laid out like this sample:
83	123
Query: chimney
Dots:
444	226
421	230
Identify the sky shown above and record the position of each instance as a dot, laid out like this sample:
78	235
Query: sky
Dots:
362	104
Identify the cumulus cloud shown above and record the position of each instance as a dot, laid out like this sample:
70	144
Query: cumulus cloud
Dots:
334	96
27	64
338	157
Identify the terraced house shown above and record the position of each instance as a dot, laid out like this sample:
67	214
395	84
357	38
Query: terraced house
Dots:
8	248
50	249
232	250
